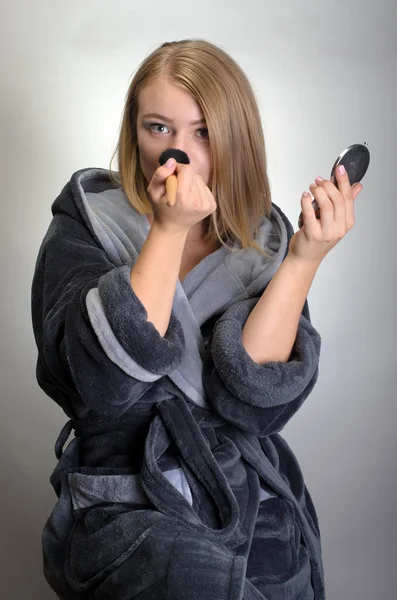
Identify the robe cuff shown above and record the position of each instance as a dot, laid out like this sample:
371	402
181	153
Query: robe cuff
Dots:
273	384
120	321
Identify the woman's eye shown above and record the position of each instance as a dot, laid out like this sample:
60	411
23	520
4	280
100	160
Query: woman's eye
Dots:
203	132
158	128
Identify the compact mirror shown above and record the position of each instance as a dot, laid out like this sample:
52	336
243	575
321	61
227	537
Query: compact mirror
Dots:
355	159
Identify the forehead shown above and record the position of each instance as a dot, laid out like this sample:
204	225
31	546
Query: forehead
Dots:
163	96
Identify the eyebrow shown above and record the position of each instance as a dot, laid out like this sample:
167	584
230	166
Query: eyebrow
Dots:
163	118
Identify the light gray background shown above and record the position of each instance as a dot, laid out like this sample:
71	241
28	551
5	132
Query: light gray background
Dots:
325	75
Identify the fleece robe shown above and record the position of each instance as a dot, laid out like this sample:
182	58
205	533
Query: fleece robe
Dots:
177	484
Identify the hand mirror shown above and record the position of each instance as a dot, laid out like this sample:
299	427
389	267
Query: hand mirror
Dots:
355	159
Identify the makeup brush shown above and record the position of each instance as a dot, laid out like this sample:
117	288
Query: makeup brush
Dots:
171	182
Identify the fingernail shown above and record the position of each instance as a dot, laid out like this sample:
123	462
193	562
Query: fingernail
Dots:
341	170
169	162
318	179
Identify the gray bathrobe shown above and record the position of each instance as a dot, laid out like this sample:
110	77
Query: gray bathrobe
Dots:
176	484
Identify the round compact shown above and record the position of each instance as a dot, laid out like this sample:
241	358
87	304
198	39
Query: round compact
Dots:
355	159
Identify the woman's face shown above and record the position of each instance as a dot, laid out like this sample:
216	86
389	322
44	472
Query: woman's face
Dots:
168	117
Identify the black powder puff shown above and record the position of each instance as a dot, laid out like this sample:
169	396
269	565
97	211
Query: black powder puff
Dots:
179	155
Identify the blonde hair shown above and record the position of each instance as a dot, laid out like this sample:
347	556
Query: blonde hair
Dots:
239	183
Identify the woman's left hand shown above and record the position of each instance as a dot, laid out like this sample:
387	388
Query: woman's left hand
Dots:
312	242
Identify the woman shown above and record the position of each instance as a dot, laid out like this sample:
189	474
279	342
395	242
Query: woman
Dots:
178	341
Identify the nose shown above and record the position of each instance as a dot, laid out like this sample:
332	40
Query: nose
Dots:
181	141
179	155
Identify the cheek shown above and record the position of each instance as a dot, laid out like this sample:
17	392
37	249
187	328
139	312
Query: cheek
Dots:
147	159
206	167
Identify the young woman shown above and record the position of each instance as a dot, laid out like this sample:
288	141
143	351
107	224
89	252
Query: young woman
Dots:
177	339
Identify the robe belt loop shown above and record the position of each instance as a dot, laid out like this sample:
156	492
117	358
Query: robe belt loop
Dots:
62	437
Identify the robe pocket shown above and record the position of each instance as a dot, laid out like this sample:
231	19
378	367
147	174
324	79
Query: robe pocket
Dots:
275	550
115	552
119	542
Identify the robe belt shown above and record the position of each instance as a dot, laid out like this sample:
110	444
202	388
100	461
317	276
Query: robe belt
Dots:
175	423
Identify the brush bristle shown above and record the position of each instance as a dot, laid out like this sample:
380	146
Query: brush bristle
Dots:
179	155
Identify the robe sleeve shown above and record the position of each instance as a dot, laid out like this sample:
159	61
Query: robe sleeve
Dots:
95	344
258	398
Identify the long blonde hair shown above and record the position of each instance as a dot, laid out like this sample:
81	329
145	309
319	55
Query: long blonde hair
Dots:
239	183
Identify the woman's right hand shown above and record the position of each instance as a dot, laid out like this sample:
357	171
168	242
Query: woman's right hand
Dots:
194	200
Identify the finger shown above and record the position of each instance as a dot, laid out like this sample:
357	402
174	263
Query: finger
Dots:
211	200
185	177
206	194
342	182
179	183
161	174
157	187
309	220
202	185
356	189
199	183
339	202
326	211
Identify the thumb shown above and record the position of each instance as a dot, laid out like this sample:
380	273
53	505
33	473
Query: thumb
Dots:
163	172
157	185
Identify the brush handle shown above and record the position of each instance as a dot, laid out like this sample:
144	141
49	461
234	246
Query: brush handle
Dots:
171	185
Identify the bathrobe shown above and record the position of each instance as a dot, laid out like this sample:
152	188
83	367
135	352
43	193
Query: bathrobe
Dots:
173	481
